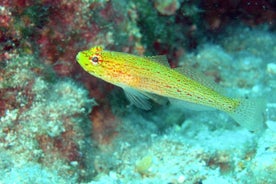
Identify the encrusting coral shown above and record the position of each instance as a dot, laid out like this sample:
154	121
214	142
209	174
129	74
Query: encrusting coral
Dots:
43	119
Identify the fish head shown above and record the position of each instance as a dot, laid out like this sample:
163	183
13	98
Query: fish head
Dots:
103	64
92	61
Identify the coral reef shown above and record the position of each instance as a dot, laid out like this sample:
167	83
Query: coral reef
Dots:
253	12
58	124
168	7
41	121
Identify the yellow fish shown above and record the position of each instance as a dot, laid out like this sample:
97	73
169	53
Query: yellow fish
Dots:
145	77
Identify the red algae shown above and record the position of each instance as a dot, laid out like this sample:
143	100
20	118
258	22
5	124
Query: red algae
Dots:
104	124
167	7
219	13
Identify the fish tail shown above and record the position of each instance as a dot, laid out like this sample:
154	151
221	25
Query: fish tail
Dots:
249	114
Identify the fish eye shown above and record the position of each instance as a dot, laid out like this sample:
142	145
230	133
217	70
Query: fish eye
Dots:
95	60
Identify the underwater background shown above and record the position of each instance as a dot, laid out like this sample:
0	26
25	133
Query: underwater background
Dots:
58	124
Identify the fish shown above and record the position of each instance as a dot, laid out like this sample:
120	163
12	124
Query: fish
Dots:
147	77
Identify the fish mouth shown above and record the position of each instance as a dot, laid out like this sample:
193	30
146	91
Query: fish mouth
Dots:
80	60
78	57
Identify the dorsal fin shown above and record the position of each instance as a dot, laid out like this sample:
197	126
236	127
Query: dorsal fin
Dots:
161	59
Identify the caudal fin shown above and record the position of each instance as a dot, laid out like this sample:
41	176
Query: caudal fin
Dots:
249	114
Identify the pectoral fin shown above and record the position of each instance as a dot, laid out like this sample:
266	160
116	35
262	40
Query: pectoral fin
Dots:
137	98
